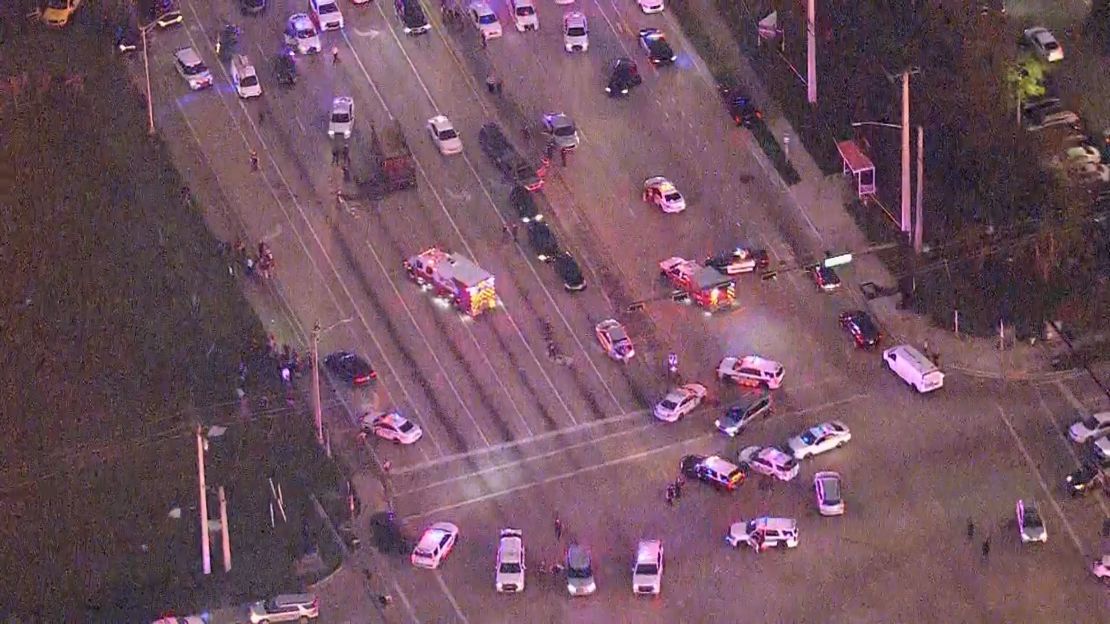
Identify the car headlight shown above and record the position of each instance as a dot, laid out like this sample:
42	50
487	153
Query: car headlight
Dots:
624	91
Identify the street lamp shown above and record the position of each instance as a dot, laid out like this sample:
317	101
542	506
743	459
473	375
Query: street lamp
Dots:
317	408
146	67
918	225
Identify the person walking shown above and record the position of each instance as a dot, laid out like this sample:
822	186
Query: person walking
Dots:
335	156
334	54
558	528
254	160
491	80
970	529
987	548
563	153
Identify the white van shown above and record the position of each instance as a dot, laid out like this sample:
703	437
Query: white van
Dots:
244	77
914	368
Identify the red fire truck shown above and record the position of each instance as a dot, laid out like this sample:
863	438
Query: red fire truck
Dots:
706	286
455	278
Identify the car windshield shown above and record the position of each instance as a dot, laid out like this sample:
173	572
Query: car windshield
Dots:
341	117
488	18
525	11
195	69
1090	422
327	8
249	80
673	197
647	569
58	4
576	31
305	33
564	131
405	427
808	438
510	568
668	404
582	573
420	552
1051	45
448	134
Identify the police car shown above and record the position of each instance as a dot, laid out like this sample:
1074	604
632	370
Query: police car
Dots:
712	469
326	14
679	402
751	370
819	439
392	426
654	42
510	561
769	461
485	20
614	339
661	192
524	15
1030	525
192	69
576	32
301	35
434	545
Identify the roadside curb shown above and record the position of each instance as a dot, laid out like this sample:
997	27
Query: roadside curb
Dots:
1023	375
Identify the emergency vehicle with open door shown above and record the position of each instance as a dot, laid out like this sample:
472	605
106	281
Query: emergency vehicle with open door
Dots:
455	278
706	286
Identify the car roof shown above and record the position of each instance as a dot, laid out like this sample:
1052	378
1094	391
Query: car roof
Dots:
719	464
188	56
1101	417
755	361
578	555
575	17
511	548
342	101
775	523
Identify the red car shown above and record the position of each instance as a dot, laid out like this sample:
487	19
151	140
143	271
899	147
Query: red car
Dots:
825	278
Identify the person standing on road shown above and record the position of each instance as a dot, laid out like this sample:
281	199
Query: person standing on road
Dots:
254	160
335	54
970	529
987	548
558	528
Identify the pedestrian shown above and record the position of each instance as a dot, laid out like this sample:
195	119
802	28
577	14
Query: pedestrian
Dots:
334	54
549	150
970	529
507	231
387	466
558	528
491	80
242	371
286	378
483	37
240	248
346	173
286	352
1106	527
669	496
254	160
261	116
514	228
385	600
678	488
987	548
271	342
335	156
563	155
347	154
498	85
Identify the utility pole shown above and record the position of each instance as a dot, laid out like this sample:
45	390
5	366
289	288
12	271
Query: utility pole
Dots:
226	536
919	224
149	100
905	151
317	408
205	553
811	51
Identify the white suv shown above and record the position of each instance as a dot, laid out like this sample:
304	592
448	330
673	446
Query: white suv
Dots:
751	370
285	608
342	119
524	15
770	461
1090	427
763	533
576	32
647	576
510	561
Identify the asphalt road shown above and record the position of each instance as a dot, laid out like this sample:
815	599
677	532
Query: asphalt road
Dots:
512	438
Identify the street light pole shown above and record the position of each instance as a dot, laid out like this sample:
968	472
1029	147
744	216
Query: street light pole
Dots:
906	151
317	408
146	69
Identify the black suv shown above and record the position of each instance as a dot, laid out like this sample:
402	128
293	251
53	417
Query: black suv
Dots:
412	17
713	470
524	203
566	267
350	368
543	241
623	77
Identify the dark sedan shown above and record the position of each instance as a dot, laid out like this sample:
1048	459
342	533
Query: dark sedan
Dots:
350	368
654	42
623	77
743	111
566	267
861	327
543	241
252	7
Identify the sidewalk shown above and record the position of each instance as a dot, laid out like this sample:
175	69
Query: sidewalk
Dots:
821	203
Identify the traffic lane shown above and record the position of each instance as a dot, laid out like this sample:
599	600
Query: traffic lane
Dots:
463	224
292	220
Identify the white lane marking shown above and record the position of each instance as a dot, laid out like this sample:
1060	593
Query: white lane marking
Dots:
605	464
301	124
515	443
1040	479
300	239
1075	402
616	31
405	601
470	251
450	597
1067	441
369	33
531	458
470	332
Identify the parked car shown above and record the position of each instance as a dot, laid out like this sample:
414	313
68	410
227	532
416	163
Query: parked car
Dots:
350	368
566	267
1044	44
1030	525
830	501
